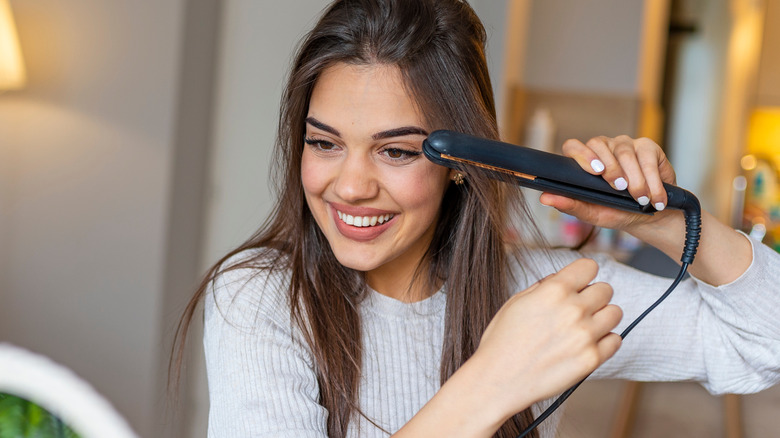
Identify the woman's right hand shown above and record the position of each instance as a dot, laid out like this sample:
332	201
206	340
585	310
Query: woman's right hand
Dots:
548	337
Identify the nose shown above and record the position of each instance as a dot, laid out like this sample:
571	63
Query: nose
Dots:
357	179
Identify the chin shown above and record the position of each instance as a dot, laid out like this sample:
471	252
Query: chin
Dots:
355	262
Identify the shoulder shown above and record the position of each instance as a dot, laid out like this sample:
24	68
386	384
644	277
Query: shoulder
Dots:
249	288
531	265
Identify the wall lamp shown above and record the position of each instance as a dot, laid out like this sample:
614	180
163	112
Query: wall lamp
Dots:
12	73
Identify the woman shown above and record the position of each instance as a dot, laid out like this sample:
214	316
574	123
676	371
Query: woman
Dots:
376	299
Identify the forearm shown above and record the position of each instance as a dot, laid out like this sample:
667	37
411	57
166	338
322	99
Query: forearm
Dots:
467	405
723	254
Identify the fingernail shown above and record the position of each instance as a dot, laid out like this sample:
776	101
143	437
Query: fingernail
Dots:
621	184
597	165
659	206
643	200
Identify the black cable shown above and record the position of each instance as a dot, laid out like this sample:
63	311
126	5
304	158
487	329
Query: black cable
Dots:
562	398
690	206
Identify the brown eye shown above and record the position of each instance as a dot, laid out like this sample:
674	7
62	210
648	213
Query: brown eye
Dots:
319	144
398	155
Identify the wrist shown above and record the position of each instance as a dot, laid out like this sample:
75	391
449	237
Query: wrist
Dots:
469	404
491	398
660	230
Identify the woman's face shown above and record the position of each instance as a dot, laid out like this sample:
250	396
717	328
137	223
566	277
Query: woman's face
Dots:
372	192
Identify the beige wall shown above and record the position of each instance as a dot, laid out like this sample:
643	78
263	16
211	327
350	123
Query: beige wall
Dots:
90	189
590	46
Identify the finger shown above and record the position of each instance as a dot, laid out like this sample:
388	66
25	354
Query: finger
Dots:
613	172
530	288
626	154
584	156
650	160
560	202
584	211
576	275
595	297
606	319
608	346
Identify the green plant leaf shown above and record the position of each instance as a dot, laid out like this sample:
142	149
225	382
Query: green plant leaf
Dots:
20	418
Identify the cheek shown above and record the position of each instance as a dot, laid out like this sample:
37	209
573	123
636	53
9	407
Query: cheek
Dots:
422	190
313	176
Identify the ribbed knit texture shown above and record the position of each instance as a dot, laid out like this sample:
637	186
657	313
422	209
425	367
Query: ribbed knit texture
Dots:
261	374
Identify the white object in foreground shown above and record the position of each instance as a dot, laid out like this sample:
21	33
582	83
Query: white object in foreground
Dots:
58	390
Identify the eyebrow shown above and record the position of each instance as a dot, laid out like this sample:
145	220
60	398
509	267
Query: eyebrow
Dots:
399	132
395	132
319	125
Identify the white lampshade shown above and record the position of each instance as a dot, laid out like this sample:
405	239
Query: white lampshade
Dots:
12	75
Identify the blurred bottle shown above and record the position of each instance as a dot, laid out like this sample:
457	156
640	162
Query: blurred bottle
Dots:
540	135
540	131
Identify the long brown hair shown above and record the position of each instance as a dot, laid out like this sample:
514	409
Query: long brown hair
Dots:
438	46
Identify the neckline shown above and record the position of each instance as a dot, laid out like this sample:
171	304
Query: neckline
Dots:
384	305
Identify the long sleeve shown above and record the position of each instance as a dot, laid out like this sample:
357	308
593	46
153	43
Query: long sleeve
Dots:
261	376
726	337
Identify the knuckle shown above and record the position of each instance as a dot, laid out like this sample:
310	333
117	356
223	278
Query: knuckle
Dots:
617	312
606	290
571	316
646	143
623	151
559	290
581	337
597	142
608	287
590	358
571	143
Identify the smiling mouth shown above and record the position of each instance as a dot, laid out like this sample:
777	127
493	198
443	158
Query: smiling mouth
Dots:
364	221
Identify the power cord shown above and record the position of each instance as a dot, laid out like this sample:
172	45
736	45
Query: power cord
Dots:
682	200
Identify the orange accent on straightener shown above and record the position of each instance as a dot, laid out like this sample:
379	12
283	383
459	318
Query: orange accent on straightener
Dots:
489	167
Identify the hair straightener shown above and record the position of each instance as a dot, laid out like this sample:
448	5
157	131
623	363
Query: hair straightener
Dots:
561	176
538	170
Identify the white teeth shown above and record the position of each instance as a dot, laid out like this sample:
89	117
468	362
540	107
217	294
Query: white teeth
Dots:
363	221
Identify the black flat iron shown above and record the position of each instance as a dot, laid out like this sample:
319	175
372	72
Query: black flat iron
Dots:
538	170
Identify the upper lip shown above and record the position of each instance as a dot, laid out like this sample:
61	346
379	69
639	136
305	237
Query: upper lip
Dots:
359	211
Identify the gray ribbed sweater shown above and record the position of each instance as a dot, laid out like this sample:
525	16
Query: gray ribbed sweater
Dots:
262	382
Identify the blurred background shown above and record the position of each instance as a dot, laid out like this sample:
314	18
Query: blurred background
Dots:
135	142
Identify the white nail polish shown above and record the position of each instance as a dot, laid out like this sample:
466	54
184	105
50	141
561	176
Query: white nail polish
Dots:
659	206
597	165
621	184
643	200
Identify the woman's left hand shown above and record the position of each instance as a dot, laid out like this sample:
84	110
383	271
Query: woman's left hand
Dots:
636	165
